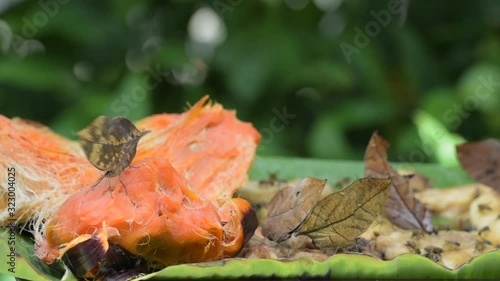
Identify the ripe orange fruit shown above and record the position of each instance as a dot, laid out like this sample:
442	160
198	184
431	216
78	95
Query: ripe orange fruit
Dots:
179	206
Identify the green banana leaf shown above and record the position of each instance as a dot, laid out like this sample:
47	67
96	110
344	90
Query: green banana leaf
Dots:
338	266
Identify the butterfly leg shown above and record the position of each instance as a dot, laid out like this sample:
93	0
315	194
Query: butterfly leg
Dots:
94	185
358	246
336	250
126	192
119	178
109	188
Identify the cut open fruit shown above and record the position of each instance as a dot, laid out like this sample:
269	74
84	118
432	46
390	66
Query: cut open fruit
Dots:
179	206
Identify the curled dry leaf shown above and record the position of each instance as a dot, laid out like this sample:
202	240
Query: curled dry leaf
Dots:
402	208
339	218
290	206
481	160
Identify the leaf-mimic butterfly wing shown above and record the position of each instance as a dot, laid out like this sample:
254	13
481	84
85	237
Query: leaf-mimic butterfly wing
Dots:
339	218
110	143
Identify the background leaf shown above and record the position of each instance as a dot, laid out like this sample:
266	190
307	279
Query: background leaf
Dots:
91	55
436	141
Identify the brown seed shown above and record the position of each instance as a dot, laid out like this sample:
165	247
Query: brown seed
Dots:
471	228
416	233
433	249
432	256
342	182
272	180
484	207
445	228
453	242
437	250
486	228
411	244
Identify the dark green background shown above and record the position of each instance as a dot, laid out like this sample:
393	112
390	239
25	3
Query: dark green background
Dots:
430	57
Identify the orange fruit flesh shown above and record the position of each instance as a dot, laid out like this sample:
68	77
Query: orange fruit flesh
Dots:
178	207
161	218
208	145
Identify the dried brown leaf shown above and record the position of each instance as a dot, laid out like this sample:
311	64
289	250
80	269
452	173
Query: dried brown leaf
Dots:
402	208
481	160
290	206
339	218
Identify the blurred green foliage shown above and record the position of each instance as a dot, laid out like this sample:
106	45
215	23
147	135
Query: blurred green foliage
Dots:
64	62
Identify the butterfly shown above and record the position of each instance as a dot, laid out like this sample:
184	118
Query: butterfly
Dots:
334	221
110	144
